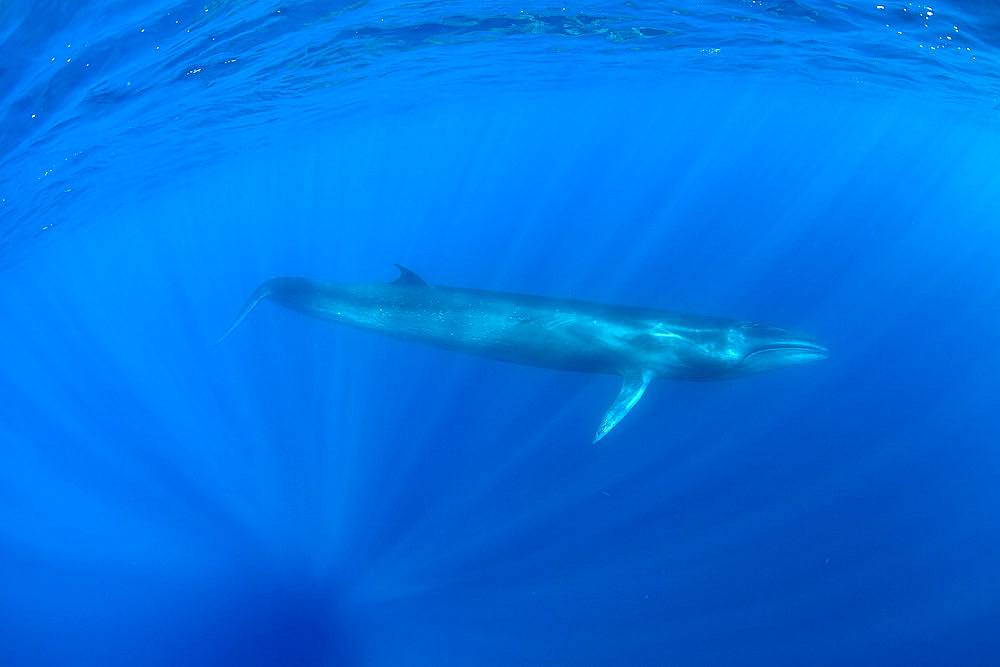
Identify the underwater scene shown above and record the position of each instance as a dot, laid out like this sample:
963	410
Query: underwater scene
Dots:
427	333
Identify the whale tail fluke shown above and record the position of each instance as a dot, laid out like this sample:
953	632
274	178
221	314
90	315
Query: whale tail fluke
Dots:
263	291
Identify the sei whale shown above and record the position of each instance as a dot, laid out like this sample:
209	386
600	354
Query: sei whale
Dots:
639	344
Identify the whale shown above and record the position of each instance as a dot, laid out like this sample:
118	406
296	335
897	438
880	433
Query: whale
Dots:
637	344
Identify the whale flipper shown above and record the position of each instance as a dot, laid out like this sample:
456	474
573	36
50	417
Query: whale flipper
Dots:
633	387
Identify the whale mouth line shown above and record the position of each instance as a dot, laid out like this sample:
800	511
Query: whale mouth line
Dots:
809	349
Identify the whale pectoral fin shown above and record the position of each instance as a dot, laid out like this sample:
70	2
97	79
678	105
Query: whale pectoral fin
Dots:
408	278
633	387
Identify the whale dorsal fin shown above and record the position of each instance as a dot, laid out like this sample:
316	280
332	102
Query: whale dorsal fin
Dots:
408	278
633	387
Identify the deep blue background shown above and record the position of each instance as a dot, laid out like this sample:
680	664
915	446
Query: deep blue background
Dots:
304	494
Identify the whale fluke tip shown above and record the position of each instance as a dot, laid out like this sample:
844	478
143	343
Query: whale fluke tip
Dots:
263	290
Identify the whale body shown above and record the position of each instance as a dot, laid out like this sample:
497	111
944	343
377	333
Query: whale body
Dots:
638	344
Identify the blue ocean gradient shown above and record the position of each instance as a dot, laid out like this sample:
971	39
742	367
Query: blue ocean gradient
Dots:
304	494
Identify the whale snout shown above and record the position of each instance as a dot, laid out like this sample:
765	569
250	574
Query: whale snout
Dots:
790	353
767	347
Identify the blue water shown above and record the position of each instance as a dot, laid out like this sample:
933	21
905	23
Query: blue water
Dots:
305	494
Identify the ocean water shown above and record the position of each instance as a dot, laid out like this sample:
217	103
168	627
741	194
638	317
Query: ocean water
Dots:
307	494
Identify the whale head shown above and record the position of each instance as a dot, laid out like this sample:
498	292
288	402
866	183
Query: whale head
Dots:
755	348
